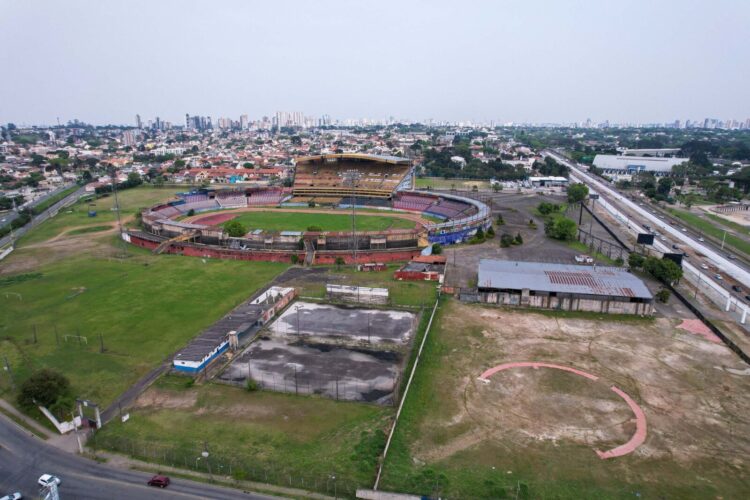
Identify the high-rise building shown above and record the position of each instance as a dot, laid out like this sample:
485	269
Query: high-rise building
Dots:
243	122
138	122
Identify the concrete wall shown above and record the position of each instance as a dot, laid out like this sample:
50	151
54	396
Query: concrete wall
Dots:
524	299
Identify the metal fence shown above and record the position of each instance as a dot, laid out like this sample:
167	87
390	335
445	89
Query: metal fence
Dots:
232	466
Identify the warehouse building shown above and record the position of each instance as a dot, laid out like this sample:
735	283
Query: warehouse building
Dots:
628	165
563	286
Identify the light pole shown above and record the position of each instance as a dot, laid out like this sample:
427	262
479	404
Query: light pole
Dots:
297	308
351	178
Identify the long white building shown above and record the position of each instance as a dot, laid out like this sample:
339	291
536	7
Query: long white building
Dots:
629	165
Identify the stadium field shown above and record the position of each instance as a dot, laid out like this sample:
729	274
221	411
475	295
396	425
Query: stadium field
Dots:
294	221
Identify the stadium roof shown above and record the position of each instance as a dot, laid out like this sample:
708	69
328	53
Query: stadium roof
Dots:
561	278
396	160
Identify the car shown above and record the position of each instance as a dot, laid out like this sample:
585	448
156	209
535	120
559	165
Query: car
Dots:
732	256
747	297
683	230
675	247
701	239
736	288
663	238
159	481
12	496
47	480
704	266
718	277
661	216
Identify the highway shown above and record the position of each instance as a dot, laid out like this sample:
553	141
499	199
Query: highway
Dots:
633	215
24	457
50	212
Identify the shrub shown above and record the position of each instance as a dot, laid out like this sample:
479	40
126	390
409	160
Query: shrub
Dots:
561	228
251	385
437	249
636	260
500	220
44	388
506	240
619	262
546	208
235	228
190	212
518	240
663	295
294	259
315	229
490	233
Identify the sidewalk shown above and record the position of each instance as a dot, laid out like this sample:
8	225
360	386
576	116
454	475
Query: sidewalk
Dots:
125	462
38	428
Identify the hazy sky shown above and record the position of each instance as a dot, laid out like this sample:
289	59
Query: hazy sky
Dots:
539	61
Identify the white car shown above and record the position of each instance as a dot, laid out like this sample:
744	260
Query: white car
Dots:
718	277
704	266
12	496
701	239
47	480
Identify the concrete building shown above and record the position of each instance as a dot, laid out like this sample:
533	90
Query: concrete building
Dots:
563	286
628	165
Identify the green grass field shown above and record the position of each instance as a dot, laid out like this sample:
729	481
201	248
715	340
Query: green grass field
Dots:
327	221
41	207
144	306
262	436
713	228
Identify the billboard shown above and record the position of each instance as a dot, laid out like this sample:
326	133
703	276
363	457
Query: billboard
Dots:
675	257
645	239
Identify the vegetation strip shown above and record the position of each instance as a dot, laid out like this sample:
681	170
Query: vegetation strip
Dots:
406	393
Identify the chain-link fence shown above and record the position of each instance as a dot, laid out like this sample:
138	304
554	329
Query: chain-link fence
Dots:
224	465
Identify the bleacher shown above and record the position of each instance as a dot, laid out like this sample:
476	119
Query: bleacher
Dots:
270	197
193	198
329	175
198	206
231	199
413	203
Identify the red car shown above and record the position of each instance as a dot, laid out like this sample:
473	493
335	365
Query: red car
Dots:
160	481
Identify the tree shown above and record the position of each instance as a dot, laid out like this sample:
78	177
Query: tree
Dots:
339	262
43	388
490	233
248	165
134	179
437	249
546	208
664	186
294	259
636	260
235	229
518	239
664	270
561	228
577	192
506	240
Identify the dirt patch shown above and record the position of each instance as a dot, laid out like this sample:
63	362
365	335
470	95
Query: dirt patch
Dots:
690	389
157	399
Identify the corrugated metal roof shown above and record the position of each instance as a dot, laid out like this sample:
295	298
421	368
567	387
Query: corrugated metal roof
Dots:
562	278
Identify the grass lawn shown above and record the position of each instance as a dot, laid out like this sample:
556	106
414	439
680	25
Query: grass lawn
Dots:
262	436
41	207
402	293
131	201
581	247
289	221
712	229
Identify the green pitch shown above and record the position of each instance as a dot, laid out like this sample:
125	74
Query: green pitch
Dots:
291	221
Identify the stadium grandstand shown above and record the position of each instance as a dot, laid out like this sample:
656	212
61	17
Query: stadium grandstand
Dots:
350	174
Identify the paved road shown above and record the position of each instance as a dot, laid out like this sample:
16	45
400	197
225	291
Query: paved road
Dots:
44	215
23	458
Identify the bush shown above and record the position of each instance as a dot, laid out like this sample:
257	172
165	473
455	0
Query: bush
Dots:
506	240
664	270
314	229
251	385
44	388
619	262
663	295
546	208
311	204
479	234
437	249
500	220
518	240
190	212
490	233
294	259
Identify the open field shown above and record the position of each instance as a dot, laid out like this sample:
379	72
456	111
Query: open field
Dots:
64	282
713	227
533	433
262	436
76	216
288	221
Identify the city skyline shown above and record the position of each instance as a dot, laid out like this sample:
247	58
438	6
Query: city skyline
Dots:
479	63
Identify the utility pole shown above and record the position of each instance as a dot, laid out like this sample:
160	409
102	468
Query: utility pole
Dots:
10	373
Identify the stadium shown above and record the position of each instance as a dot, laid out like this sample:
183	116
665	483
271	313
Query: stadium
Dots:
326	187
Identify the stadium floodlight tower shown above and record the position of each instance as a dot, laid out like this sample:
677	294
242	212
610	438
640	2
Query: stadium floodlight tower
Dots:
351	179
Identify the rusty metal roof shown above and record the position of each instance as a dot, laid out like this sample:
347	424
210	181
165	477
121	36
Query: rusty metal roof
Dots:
561	278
